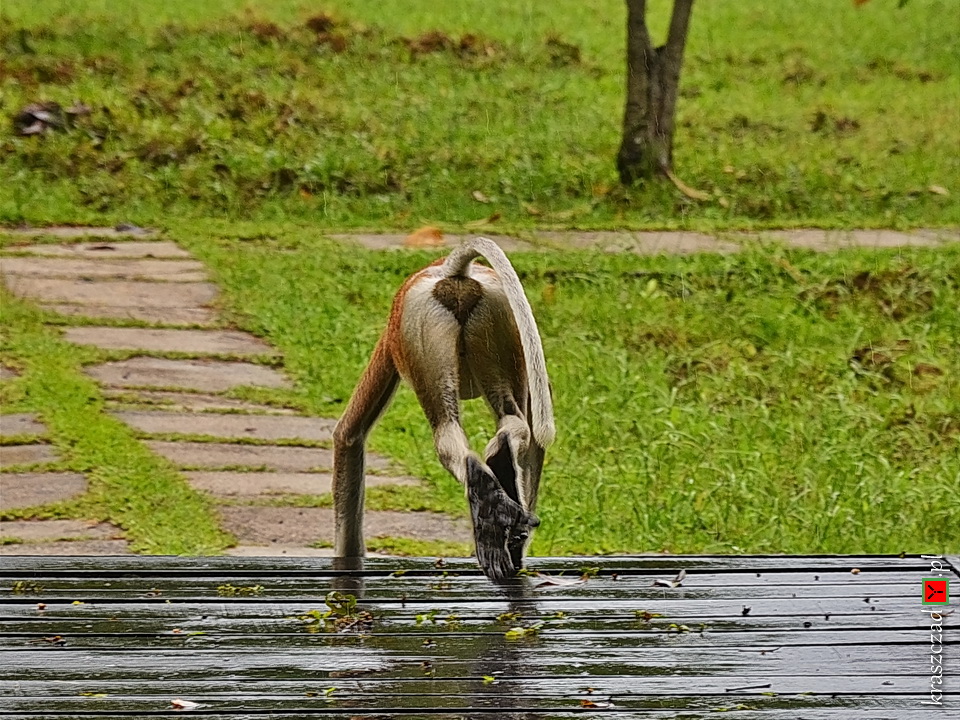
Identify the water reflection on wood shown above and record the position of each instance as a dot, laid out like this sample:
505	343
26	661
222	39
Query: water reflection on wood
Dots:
633	637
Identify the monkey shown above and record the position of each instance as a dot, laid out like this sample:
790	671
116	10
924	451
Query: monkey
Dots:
459	330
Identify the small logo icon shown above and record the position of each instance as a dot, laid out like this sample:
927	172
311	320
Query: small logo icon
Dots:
936	591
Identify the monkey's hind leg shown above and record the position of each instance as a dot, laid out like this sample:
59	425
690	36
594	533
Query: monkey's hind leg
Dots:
371	397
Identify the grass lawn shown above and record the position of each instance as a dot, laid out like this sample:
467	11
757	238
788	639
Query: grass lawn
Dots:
770	401
366	114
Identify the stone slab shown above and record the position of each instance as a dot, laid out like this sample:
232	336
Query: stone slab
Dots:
211	342
26	454
112	293
395	241
103	249
117	269
252	484
825	240
202	317
230	455
260	427
21	424
51	530
640	243
73	548
303	526
8	373
20	490
193	402
203	375
277	550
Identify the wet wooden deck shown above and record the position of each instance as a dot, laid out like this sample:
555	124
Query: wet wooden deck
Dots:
772	637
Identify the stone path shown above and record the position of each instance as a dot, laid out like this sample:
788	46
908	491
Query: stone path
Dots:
260	464
680	242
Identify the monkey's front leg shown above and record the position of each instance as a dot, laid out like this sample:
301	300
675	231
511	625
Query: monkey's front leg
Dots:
500	524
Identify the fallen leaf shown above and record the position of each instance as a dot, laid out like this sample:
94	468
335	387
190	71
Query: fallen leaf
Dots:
179	704
676	582
926	369
690	192
594	705
532	209
427	236
549	580
483	221
938	190
480	197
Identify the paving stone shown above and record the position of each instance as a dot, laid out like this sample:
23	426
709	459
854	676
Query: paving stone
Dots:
202	317
195	402
252	484
49	530
641	243
304	526
26	454
277	550
21	424
393	241
106	249
260	427
227	342
69	547
117	269
112	293
230	455
20	490
272	457
205	375
8	373
824	240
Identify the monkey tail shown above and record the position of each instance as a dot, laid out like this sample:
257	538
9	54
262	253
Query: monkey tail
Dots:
541	404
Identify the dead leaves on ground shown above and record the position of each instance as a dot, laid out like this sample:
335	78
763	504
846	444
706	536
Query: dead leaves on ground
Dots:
425	237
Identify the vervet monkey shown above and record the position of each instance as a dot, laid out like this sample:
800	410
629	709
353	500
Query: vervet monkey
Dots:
456	331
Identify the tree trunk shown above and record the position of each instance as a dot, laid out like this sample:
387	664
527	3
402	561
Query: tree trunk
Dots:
653	78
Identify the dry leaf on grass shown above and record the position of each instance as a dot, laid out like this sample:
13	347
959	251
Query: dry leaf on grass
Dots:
483	222
427	236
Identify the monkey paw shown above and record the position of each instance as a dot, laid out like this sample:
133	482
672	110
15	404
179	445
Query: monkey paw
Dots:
500	525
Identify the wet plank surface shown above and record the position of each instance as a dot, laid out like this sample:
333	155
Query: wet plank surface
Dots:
818	637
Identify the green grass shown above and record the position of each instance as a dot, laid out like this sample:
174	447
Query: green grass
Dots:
768	401
154	506
791	114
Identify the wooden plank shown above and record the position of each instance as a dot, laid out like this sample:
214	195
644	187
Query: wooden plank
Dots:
589	661
732	711
545	693
219	627
413	642
446	590
19	566
137	606
438	580
905	709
